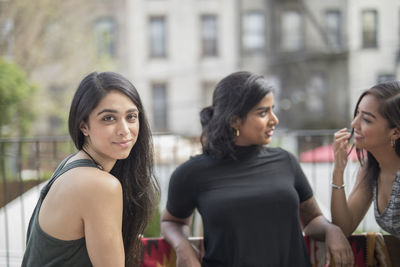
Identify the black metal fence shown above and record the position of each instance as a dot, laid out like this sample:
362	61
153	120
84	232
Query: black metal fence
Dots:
25	163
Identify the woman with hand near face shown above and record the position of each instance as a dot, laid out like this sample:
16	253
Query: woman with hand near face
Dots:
255	201
99	200
376	133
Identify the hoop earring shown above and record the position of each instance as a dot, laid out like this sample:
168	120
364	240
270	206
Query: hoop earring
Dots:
237	133
393	143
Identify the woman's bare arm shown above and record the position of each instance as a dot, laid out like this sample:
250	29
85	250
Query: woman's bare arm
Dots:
317	227
347	214
101	211
176	232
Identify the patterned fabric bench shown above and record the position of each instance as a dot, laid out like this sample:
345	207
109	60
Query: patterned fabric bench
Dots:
370	249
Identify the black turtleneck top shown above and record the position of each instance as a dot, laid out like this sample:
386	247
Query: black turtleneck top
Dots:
249	206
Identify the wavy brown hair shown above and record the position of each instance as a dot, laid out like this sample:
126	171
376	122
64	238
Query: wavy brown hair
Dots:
388	96
234	95
135	173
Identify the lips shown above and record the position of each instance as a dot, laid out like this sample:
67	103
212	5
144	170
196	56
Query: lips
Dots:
125	143
357	136
270	132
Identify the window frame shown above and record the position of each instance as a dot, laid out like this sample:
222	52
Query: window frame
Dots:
364	42
100	26
160	111
205	41
299	32
335	36
261	32
159	40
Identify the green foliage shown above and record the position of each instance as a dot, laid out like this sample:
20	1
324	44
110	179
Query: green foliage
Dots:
15	100
153	228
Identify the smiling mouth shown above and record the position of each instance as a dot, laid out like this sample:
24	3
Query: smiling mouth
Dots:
269	133
123	143
358	137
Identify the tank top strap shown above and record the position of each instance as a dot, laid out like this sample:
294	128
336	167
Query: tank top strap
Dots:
63	168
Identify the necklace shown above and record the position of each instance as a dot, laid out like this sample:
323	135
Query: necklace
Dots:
95	162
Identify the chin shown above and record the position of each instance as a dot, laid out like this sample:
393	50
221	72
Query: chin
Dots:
122	155
358	145
267	141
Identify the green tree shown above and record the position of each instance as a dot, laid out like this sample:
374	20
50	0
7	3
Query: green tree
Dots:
153	229
54	43
16	93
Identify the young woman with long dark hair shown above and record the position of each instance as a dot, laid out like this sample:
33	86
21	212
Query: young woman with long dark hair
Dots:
376	133
95	207
255	201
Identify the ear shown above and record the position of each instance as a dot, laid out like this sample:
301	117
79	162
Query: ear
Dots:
84	128
396	133
235	122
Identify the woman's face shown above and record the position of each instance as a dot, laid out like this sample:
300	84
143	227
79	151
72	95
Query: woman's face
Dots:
371	129
258	126
112	127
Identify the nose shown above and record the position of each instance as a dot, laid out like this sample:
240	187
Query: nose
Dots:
274	119
354	122
123	128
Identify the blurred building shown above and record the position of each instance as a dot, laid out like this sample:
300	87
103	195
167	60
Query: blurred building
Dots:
179	50
319	55
301	46
374	43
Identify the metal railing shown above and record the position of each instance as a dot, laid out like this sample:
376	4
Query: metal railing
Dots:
25	163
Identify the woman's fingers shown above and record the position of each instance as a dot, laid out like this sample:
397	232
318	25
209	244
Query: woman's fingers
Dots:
340	147
327	258
339	257
341	140
340	135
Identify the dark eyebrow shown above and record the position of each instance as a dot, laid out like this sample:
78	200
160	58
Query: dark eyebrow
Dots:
115	111
264	108
107	111
132	110
368	114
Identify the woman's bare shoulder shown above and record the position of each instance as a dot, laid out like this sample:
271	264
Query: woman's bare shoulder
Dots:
95	180
90	185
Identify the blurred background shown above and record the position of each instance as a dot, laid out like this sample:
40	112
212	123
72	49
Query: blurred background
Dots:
318	55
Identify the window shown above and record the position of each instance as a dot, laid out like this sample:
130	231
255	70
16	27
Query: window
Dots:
158	37
104	31
369	29
333	23
292	37
209	40
207	93
386	77
315	93
7	38
253	38
160	106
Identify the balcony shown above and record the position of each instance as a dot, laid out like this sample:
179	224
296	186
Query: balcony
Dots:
25	164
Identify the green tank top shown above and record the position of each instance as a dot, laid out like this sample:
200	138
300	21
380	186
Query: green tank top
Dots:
44	250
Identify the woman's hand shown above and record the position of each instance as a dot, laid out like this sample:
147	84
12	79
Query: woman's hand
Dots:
340	144
184	259
176	231
337	248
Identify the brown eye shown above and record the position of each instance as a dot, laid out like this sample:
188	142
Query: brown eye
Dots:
366	120
132	117
108	118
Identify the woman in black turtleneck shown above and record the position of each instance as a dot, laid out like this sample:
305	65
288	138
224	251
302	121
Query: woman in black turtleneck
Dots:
255	201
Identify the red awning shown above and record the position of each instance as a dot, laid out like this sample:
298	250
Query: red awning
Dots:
323	154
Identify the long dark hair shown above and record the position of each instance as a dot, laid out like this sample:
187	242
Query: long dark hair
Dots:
388	96
234	95
140	189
